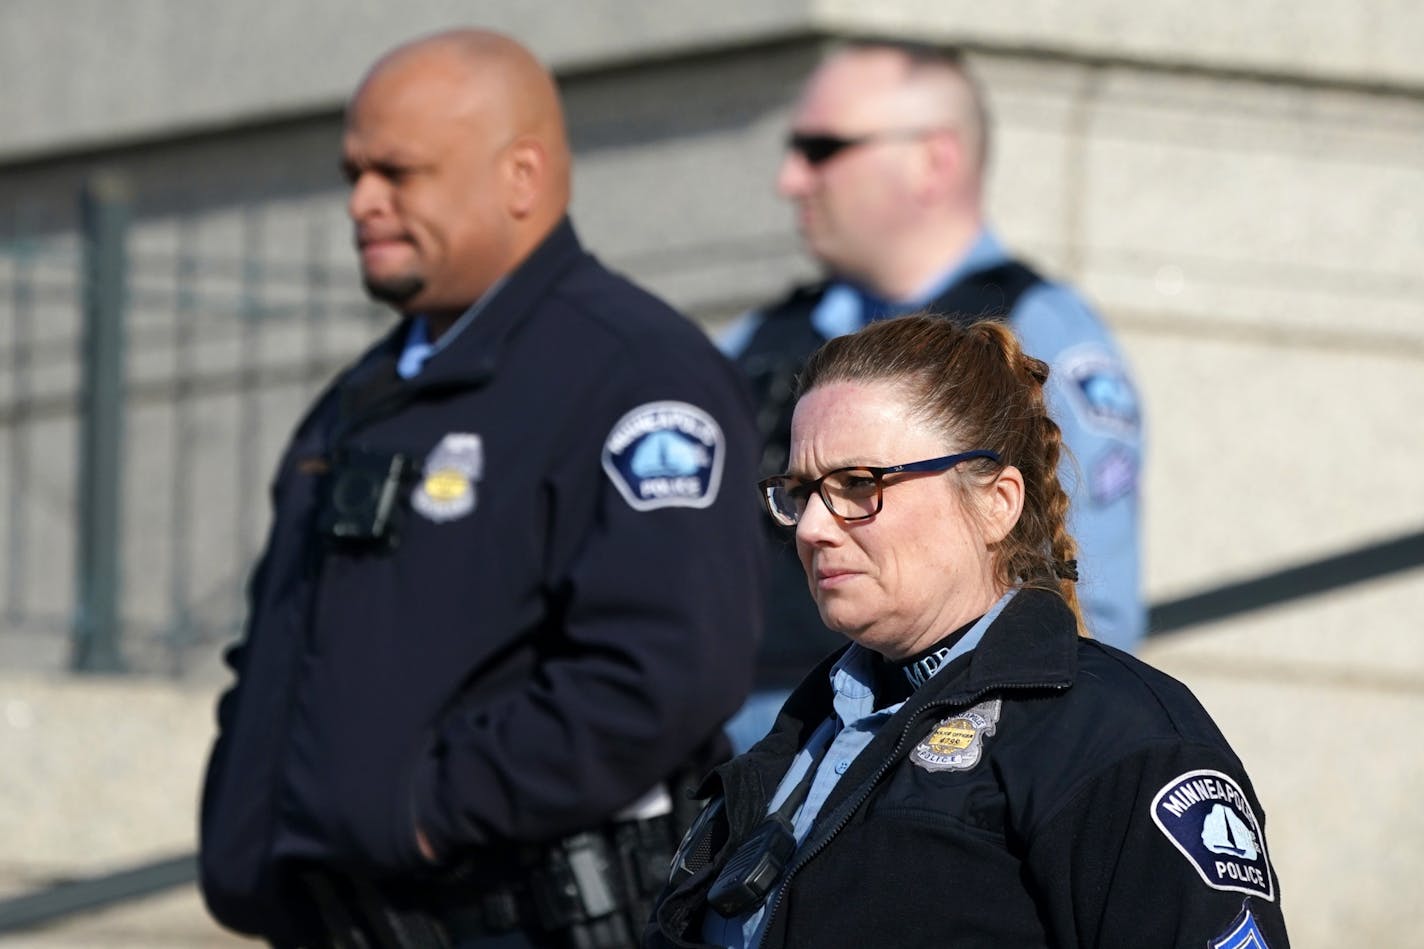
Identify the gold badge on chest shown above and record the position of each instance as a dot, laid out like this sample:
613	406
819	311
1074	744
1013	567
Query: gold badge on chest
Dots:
957	743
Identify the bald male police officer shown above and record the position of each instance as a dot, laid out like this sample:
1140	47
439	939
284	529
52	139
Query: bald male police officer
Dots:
511	588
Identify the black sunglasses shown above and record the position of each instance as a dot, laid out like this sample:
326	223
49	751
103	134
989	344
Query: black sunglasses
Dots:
817	149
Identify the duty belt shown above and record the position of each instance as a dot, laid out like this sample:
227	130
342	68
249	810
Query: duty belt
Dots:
592	890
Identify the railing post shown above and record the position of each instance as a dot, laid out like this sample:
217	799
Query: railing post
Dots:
105	209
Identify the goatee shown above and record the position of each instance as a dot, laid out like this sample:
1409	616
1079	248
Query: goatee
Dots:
395	290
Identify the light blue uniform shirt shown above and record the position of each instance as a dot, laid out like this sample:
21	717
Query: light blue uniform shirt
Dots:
1091	397
836	743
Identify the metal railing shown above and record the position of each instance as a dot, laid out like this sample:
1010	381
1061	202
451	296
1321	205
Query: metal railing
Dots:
150	368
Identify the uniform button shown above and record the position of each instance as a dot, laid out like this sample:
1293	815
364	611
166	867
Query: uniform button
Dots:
841	766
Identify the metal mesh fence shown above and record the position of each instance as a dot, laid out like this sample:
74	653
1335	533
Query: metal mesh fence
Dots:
233	319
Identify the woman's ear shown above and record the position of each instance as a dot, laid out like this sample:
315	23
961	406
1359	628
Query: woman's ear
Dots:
1002	502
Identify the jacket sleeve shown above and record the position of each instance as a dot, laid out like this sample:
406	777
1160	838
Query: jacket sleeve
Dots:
1092	398
1164	848
657	608
235	812
238	808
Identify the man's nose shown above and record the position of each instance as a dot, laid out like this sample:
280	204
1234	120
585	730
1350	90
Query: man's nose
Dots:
793	178
369	193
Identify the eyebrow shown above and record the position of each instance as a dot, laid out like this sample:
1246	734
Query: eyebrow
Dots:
801	476
394	158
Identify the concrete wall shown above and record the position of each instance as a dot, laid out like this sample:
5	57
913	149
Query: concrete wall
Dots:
154	67
96	71
1259	247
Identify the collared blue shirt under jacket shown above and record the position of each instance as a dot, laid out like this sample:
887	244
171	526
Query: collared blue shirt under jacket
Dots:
837	743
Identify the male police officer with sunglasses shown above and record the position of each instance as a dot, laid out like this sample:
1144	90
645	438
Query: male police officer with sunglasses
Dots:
511	589
885	169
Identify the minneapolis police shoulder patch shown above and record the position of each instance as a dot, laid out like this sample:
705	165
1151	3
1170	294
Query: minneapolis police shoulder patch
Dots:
1100	393
1207	816
1113	475
665	454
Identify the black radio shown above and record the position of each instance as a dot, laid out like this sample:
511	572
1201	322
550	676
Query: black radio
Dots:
752	871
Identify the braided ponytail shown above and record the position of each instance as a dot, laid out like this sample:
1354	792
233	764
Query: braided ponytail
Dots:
1062	549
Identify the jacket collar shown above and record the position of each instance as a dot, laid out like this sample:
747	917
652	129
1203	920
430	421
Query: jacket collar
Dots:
473	356
372	389
1031	645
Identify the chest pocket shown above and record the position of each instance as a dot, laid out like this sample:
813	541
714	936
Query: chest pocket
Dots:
946	801
945	778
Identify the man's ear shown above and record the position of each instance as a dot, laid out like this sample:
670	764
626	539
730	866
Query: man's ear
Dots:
1002	504
944	163
525	163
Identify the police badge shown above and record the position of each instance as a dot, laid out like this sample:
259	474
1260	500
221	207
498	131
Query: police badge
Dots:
957	743
447	484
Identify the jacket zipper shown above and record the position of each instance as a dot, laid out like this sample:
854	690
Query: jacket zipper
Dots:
849	808
311	581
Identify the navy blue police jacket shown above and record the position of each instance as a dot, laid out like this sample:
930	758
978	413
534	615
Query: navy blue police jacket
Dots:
1042	790
568	613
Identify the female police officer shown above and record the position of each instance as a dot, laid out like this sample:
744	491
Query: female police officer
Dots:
970	770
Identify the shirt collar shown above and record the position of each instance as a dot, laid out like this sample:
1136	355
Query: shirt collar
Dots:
853	684
418	347
839	311
986	251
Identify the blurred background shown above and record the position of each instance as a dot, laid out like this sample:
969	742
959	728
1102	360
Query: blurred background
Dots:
1238	187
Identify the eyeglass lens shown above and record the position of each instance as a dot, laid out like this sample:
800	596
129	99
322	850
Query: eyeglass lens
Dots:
850	494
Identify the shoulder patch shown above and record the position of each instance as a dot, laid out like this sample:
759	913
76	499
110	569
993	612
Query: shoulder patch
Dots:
1207	817
1114	475
957	743
1243	933
1099	390
665	454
